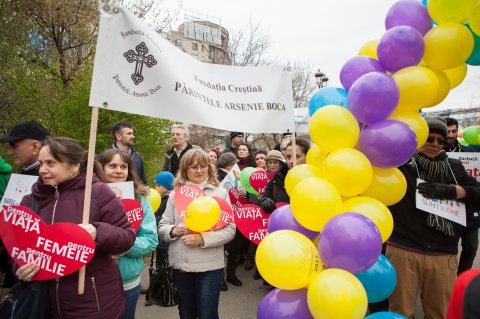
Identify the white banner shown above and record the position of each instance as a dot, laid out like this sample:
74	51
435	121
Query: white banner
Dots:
123	190
450	209
138	71
18	186
470	160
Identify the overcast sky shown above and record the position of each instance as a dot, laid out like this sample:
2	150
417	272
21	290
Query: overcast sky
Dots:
322	33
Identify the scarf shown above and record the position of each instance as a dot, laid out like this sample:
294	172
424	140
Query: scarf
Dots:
435	171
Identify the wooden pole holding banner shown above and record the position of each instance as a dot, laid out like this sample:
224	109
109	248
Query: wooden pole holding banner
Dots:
294	150
88	187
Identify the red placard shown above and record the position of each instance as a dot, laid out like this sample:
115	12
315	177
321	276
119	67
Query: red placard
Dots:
134	211
235	198
259	181
226	214
59	249
252	222
184	195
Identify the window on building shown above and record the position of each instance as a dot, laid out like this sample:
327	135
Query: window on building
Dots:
178	42
194	46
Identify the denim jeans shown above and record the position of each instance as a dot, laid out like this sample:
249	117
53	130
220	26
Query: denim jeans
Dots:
131	297
199	293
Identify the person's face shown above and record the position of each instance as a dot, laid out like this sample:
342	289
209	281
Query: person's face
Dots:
433	146
24	152
273	165
126	136
452	133
260	160
197	173
178	137
213	157
237	140
301	159
243	151
162	190
116	171
53	172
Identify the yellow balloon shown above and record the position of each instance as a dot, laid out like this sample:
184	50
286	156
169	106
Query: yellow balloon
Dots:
348	170
416	122
332	127
373	209
202	213
443	87
369	49
445	11
447	46
154	198
456	75
418	87
287	259
314	201
336	293
388	185
299	173
474	16
315	156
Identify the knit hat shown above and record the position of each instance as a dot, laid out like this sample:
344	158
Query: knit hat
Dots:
275	155
32	130
233	134
164	179
437	125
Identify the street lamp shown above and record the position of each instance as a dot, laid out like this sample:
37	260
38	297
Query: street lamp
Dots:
321	79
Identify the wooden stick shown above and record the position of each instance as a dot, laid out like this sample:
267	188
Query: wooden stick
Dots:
88	187
294	150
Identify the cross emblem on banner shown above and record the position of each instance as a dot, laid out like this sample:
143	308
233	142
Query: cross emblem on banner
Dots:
141	59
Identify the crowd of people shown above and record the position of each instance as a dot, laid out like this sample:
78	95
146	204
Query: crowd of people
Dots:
423	247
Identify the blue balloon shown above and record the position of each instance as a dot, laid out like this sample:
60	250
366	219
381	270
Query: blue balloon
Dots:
379	280
328	96
385	315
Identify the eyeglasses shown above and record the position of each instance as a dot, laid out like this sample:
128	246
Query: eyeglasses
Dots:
273	162
440	141
196	168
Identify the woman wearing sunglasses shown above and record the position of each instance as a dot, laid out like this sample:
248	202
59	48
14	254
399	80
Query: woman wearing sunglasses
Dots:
423	246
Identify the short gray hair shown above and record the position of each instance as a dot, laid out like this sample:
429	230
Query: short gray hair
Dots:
183	127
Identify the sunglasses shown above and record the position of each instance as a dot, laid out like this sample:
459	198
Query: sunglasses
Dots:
440	141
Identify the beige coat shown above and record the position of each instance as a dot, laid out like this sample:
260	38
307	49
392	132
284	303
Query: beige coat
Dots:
209	256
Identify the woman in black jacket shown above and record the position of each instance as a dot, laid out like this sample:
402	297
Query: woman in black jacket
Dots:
423	246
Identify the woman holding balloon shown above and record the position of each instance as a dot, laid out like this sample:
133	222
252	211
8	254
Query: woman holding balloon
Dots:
197	258
423	246
119	166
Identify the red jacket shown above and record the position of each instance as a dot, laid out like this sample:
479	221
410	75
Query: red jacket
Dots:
103	296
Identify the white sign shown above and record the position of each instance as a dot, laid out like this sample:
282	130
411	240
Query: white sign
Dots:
123	190
453	210
232	179
138	71
18	186
470	160
302	118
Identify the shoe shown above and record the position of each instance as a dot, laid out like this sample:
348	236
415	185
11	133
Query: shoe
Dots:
234	280
256	275
224	286
143	290
248	264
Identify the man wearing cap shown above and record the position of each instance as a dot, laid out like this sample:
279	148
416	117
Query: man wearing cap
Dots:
236	138
180	134
123	136
423	246
24	143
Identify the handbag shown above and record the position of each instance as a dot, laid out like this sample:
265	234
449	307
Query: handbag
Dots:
162	290
26	300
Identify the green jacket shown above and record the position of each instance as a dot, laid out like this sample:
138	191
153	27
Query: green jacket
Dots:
131	263
5	171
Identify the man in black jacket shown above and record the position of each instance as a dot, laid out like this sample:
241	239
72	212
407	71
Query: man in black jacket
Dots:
180	134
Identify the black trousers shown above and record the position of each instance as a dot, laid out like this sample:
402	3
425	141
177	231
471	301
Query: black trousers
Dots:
469	249
235	249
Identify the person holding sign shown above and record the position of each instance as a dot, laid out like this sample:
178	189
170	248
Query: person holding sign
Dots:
119	166
59	195
197	258
423	246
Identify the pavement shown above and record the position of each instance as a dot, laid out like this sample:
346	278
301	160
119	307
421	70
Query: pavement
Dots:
236	303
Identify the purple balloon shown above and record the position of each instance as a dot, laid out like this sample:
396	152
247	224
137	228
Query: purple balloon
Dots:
409	13
284	304
356	67
373	97
387	143
282	218
400	47
351	242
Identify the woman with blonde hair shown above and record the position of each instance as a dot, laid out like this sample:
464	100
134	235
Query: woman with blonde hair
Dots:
197	258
